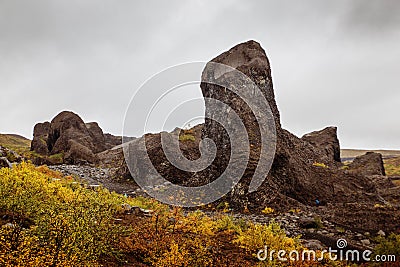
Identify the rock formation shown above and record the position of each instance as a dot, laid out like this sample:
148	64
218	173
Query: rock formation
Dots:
68	136
303	169
369	164
327	141
293	174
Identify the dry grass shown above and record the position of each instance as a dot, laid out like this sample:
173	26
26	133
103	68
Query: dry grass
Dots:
15	142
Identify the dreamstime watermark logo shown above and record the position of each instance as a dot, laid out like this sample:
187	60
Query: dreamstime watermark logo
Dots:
341	254
142	112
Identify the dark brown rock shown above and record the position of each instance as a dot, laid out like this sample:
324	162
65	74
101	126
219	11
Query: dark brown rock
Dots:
68	136
4	163
112	141
250	59
41	137
369	164
294	176
292	173
98	136
79	153
327	142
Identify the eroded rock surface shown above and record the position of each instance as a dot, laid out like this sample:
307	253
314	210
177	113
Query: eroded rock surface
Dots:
303	170
71	139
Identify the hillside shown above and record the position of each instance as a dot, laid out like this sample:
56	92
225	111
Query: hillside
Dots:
352	153
15	142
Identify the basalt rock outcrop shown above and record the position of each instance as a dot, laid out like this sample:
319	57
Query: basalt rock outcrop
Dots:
303	169
369	164
326	140
69	137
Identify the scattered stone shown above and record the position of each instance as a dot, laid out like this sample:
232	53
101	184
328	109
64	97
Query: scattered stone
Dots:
312	244
365	242
381	233
126	207
4	163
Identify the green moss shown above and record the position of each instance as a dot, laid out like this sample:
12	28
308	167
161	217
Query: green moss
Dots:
57	158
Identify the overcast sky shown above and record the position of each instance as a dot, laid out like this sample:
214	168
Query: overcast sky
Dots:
333	62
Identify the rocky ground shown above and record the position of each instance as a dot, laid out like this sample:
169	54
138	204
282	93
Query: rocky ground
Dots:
319	227
94	176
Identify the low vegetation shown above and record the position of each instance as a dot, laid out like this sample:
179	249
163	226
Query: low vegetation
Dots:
392	168
15	142
320	164
51	220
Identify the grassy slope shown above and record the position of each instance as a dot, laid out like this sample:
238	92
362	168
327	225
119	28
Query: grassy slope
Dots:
14	142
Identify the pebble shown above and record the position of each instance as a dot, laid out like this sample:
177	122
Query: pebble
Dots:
365	242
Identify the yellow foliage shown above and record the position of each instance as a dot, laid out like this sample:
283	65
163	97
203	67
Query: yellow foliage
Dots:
57	222
54	221
268	210
320	164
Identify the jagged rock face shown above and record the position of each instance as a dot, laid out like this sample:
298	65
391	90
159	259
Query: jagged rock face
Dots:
327	141
369	164
294	177
69	135
40	138
293	174
98	136
250	59
112	141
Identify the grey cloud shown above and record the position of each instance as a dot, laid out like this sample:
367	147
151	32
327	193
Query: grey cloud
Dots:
333	62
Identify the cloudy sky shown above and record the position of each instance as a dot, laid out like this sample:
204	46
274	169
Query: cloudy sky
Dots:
333	62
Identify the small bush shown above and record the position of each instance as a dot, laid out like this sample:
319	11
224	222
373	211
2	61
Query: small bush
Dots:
187	137
69	225
268	210
388	246
320	164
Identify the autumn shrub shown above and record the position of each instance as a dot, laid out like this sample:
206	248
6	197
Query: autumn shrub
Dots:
69	225
320	164
257	236
388	246
51	220
173	238
187	137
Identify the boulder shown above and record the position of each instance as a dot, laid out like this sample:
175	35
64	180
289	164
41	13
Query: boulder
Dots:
292	174
10	155
327	142
4	163
79	153
68	136
369	164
